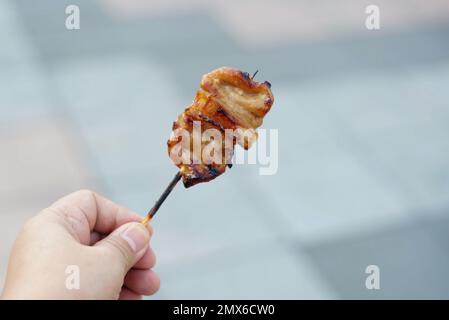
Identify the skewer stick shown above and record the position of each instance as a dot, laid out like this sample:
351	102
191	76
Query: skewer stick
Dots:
254	74
169	189
162	198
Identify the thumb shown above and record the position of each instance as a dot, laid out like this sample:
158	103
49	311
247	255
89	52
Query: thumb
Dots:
126	245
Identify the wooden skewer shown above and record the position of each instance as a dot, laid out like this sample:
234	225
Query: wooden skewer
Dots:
169	189
254	74
162	198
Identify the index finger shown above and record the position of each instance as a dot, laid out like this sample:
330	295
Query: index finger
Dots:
93	212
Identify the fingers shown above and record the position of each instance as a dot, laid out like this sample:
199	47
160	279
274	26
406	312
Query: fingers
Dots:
86	211
95	237
124	247
127	294
110	215
144	282
148	260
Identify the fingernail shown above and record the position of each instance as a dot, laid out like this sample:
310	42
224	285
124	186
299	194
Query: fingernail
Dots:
137	237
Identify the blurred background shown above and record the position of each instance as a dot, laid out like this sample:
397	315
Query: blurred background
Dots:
363	119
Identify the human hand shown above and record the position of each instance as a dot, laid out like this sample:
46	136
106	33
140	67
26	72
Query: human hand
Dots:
102	240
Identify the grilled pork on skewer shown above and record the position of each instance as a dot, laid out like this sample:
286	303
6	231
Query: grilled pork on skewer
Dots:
227	99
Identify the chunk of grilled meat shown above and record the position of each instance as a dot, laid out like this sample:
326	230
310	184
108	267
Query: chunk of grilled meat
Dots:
227	99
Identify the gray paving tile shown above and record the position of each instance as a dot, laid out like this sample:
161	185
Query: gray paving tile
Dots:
16	48
258	191
437	221
163	37
46	28
321	19
413	262
418	163
262	271
371	102
318	60
395	124
140	188
24	95
23	88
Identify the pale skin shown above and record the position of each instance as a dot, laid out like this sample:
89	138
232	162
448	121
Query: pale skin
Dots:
104	240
